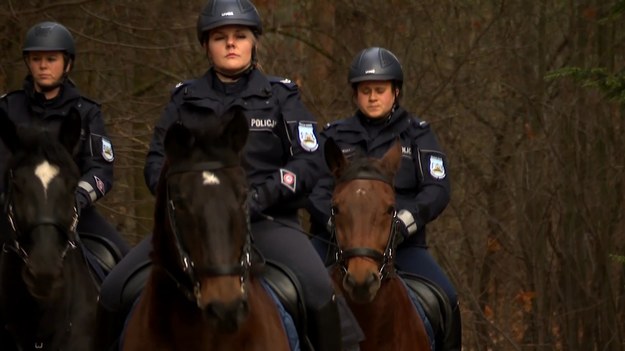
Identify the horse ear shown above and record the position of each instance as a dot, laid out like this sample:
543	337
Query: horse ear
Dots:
8	132
392	158
178	140
69	133
334	157
237	129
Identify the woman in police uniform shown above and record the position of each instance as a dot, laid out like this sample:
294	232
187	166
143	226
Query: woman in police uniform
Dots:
46	98
421	185
278	157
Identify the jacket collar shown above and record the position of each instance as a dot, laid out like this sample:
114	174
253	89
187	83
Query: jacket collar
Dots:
255	83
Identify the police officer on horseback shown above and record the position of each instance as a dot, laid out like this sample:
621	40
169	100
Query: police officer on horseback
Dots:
279	157
47	96
421	185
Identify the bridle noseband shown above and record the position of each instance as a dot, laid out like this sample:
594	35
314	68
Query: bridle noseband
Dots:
241	268
383	259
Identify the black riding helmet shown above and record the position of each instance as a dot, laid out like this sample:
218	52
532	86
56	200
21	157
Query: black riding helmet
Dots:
49	36
376	64
219	13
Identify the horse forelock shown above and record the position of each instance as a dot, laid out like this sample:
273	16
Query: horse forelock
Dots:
39	146
365	168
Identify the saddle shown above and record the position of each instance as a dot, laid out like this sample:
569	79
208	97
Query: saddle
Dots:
286	287
435	304
103	252
280	279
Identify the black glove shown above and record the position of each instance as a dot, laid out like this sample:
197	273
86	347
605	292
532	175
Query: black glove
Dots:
82	201
255	204
401	232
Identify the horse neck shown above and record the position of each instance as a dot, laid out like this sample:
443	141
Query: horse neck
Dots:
49	322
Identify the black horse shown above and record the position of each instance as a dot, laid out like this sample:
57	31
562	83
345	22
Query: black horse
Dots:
48	295
202	293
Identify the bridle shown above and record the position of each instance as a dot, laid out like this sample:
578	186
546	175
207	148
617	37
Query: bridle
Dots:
383	259
191	288
14	245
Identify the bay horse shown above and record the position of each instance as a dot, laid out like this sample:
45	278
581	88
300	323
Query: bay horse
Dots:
363	221
202	293
48	295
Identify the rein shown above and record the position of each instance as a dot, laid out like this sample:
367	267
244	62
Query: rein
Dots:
242	268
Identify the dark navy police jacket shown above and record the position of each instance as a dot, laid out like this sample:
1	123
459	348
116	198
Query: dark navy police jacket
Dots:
94	156
280	153
421	185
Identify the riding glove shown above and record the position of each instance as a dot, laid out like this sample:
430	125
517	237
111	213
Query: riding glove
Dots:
257	203
404	226
81	201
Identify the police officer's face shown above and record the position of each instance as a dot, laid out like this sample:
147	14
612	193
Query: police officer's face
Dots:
375	98
230	48
47	69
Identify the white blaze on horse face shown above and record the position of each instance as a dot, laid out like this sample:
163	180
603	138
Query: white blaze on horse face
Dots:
46	172
361	192
209	178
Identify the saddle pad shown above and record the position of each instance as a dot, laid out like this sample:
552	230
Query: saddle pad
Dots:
424	318
287	320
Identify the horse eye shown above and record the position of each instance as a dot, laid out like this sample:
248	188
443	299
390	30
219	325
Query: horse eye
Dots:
391	210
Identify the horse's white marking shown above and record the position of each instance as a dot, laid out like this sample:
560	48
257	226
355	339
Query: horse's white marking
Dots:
46	172
210	178
361	192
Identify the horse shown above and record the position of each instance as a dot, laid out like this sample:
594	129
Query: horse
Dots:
202	292
363	218
48	294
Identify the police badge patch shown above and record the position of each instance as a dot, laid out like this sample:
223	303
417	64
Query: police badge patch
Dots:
288	179
99	184
437	168
307	138
107	150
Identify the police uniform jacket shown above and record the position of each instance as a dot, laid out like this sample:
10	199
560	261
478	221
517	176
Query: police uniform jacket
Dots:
94	154
421	185
279	155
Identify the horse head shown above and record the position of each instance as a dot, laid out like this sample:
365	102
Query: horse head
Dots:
363	218
40	183
204	188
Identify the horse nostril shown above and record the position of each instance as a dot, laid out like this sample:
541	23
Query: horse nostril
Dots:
349	280
371	279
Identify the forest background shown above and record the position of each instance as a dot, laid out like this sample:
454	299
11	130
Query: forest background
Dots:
526	98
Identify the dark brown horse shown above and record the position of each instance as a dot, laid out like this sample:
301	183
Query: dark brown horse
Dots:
202	293
364	215
47	293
